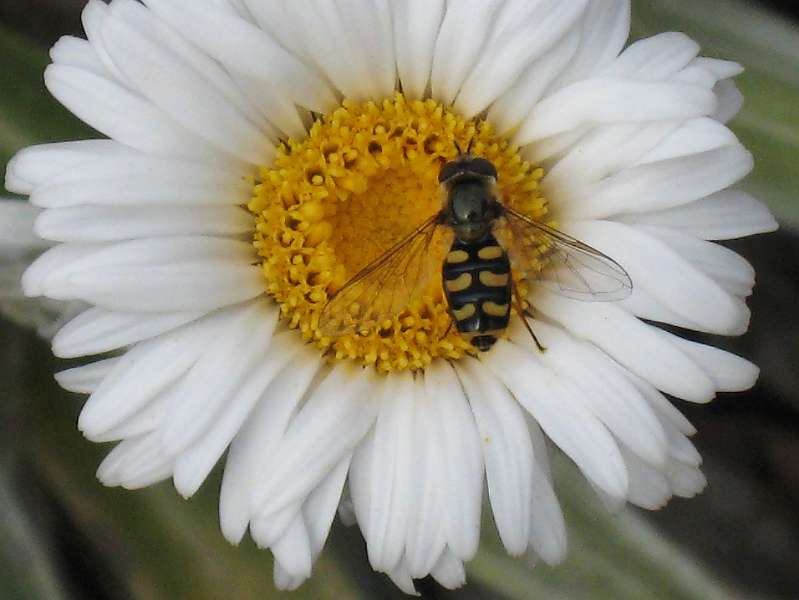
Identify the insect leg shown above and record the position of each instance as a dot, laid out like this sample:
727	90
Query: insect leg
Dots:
449	327
523	314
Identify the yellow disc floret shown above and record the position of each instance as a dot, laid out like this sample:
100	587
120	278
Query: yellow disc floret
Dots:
364	177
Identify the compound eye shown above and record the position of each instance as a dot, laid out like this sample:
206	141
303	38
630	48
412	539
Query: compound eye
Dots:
482	166
449	170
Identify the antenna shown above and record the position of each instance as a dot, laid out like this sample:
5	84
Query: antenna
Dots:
469	147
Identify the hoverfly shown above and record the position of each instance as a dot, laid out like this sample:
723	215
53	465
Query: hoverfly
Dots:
476	271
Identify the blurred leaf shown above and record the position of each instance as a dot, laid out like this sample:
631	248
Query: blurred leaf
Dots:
768	47
28	113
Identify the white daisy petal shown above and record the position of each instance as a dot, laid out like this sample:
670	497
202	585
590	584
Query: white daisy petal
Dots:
725	267
147	370
670	183
510	109
144	180
174	88
293	552
196	462
722	216
426	535
35	165
606	393
718	312
320	508
461	451
86	379
604	31
416	26
369	27
220	372
461	38
201	287
604	100
731	100
516	41
51	264
657	57
295	557
329	426
547	525
649	488
381	478
402	579
245	49
96	330
686	482
632	343
78	53
257	441
98	102
145	420
602	152
145	22
507	451
730	373
112	223
449	571
93	16
554	406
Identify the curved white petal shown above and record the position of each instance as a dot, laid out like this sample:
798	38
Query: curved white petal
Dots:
461	456
554	405
333	421
602	389
722	216
98	102
382	475
87	378
416	25
114	223
426	535
176	89
461	38
147	370
507	451
96	330
659	185
526	32
34	165
603	100
604	31
634	344
653	58
245	49
254	446
663	274
510	109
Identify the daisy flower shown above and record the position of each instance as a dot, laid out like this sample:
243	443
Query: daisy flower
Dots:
260	153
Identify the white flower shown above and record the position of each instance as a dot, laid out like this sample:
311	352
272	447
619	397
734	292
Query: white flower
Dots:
624	148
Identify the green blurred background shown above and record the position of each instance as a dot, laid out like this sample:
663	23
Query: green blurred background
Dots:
64	536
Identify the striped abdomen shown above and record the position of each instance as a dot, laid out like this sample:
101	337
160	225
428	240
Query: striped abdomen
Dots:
477	284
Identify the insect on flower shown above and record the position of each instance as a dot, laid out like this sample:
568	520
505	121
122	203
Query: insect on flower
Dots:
477	269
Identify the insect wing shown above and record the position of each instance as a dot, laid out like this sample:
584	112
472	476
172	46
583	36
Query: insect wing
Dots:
386	286
571	268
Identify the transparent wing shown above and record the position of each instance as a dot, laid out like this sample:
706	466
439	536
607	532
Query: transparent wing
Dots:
571	268
387	285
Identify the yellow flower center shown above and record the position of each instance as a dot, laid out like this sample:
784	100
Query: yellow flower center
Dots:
364	177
